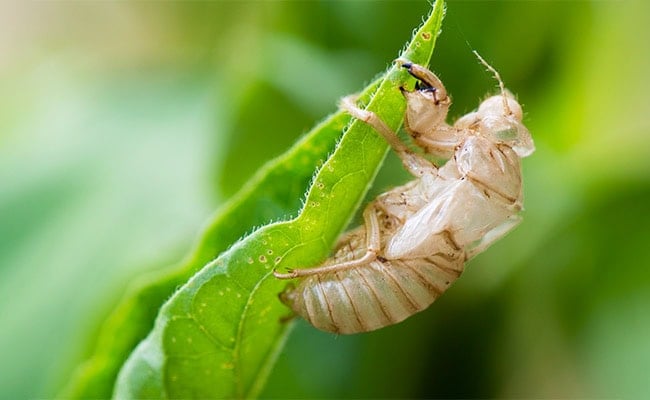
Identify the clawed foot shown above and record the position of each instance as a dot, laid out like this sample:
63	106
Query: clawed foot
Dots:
290	274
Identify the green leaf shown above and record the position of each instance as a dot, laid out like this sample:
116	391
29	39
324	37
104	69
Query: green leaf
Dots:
274	192
218	335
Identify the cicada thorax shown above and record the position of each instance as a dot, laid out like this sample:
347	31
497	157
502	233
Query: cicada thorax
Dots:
377	294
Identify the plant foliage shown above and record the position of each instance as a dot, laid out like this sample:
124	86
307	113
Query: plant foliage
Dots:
219	333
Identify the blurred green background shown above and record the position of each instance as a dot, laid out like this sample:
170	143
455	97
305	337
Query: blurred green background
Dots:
123	126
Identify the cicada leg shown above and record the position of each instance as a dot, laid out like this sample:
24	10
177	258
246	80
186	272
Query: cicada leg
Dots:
372	245
414	163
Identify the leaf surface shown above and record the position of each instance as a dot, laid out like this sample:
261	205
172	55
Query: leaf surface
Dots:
274	192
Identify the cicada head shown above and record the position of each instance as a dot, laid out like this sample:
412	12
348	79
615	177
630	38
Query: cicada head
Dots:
501	121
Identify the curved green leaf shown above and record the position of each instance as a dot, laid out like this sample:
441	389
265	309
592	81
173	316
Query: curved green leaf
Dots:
274	192
218	335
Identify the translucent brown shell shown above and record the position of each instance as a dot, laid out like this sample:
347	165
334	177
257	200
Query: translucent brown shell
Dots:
417	237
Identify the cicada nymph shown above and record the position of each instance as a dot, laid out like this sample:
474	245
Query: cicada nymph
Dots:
417	237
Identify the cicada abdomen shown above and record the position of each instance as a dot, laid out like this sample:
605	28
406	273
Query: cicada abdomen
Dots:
377	294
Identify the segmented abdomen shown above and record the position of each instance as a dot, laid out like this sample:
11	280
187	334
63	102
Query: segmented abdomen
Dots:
374	295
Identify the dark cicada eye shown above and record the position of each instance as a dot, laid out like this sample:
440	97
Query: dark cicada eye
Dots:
423	87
